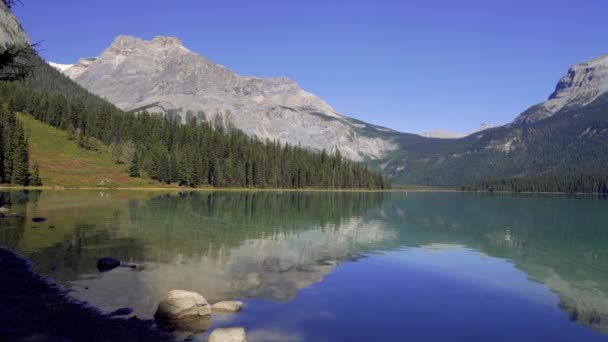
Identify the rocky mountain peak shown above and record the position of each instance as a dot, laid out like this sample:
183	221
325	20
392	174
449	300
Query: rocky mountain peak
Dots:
136	74
126	41
582	84
589	78
166	41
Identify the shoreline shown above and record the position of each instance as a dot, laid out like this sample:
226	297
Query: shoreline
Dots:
33	308
179	189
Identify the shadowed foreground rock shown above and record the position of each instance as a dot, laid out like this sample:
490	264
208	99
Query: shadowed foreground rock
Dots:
33	309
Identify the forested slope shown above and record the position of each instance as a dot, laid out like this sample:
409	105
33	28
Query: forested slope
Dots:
162	148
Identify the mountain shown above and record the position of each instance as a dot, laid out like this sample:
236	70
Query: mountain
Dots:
565	136
163	75
562	136
583	83
444	134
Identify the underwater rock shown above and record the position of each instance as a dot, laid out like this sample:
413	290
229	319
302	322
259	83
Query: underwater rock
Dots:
122	312
107	264
227	306
227	335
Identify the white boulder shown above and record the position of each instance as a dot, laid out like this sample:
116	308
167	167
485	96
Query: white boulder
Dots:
179	305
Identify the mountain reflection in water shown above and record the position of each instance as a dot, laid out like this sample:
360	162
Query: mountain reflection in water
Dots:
271	245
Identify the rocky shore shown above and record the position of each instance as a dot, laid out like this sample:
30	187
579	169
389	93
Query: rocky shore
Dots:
34	309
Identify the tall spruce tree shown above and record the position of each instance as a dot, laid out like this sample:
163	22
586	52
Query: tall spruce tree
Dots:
35	179
134	167
20	157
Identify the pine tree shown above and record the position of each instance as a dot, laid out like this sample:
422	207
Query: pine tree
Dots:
2	133
35	176
20	170
134	167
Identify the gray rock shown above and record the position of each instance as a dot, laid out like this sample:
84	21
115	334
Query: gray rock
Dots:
227	306
181	305
11	32
227	335
163	75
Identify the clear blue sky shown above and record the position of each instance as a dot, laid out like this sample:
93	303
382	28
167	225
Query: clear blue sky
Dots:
409	65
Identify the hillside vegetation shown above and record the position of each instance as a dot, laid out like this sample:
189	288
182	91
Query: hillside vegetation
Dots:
62	163
193	154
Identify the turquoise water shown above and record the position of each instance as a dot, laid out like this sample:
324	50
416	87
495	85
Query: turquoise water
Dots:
318	266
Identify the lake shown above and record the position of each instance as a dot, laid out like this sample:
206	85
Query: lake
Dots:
334	266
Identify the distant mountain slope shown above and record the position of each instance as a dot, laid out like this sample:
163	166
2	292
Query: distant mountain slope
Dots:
583	83
133	73
566	134
561	135
444	134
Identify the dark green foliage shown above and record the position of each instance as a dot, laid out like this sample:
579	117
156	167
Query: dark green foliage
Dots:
192	154
571	183
35	176
574	141
14	155
134	167
2	144
20	156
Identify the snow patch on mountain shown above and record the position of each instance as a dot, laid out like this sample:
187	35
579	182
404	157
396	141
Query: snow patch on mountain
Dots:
60	67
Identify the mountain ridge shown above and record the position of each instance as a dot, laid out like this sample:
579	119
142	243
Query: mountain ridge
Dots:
504	151
134	73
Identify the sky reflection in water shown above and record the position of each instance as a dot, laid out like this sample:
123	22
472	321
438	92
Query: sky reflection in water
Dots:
336	266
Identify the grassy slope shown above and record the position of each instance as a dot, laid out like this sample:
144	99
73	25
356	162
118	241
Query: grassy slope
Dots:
63	163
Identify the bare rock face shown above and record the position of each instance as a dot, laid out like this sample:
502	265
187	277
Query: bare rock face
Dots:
227	335
161	74
582	84
75	70
182	305
11	32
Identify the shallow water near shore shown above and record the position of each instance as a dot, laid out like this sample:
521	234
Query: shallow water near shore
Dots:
325	266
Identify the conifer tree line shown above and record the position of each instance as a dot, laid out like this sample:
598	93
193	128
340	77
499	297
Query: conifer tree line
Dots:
190	154
14	153
570	183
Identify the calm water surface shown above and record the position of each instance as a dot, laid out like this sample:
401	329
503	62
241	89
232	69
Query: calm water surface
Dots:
335	266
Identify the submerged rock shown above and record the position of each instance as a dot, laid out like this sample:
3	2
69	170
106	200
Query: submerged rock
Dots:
227	306
107	264
227	335
122	312
179	305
